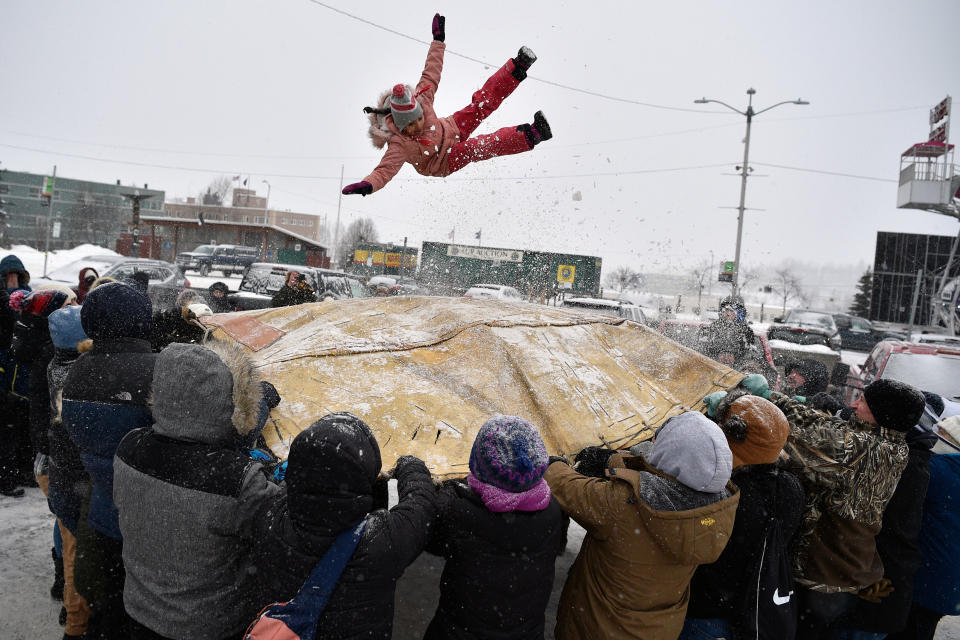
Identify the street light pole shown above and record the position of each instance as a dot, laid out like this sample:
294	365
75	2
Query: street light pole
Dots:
744	170
266	204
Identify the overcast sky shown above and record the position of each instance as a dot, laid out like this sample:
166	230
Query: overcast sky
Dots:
175	93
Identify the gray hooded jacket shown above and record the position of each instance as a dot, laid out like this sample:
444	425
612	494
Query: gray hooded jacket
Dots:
188	497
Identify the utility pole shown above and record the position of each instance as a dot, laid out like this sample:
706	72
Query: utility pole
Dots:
744	169
46	246
336	228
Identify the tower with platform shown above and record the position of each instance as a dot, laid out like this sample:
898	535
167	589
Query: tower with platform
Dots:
929	181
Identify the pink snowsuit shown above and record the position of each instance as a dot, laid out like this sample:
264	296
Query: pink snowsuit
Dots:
444	145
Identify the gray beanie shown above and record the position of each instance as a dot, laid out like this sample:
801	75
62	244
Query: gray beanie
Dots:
692	448
404	106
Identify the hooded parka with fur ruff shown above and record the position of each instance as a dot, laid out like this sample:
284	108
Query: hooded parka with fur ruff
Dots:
427	152
188	496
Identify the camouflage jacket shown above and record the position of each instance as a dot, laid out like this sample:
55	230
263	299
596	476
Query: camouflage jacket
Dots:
849	470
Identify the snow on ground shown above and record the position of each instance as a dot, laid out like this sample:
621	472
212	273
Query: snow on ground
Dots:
33	259
26	573
196	280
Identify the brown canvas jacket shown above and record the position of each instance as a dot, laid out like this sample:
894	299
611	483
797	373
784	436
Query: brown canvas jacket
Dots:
632	576
849	470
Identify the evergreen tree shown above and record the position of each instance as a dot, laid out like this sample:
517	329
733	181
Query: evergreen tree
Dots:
861	301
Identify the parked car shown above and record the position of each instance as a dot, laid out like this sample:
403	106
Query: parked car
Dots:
935	338
493	291
262	280
395	285
226	258
806	327
617	308
166	280
928	367
859	334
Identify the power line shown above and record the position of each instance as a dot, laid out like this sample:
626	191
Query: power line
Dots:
477	179
823	172
189	153
588	92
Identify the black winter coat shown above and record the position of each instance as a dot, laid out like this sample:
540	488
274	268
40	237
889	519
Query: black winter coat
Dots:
361	605
716	589
288	296
499	571
68	480
898	543
33	347
169	327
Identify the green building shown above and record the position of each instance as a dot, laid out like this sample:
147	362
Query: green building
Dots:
77	211
452	268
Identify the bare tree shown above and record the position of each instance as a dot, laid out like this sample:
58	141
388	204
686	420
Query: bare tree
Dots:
360	230
747	277
624	279
217	190
787	286
698	278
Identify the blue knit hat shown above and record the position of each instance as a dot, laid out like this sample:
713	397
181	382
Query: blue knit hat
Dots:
65	328
508	453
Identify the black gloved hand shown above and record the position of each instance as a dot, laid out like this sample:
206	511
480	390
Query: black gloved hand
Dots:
439	22
592	461
403	462
270	394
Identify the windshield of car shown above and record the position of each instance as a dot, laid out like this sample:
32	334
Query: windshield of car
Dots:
926	371
71	272
358	289
810	319
263	280
206	249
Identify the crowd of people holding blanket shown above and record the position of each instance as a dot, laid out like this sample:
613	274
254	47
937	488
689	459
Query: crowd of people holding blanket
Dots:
759	517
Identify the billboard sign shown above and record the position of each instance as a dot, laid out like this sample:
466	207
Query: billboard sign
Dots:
726	271
484	253
566	273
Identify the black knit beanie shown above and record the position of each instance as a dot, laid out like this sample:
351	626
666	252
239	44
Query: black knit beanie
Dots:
895	405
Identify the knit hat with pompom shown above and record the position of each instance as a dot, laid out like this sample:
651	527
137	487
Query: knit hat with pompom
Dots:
404	106
508	453
756	430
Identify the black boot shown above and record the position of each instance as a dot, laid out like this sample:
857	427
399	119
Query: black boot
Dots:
56	591
525	58
538	131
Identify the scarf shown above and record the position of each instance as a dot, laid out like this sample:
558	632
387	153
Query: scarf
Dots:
500	500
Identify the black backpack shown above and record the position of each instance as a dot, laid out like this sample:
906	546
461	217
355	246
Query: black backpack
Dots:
769	607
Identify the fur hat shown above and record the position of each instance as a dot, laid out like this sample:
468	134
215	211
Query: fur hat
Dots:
894	405
756	429
66	331
815	375
404	106
508	453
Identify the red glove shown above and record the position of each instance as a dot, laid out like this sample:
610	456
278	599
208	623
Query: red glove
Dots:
363	188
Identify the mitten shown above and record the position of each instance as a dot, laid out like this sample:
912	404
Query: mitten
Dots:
756	384
712	402
403	462
439	22
270	394
592	461
364	188
877	591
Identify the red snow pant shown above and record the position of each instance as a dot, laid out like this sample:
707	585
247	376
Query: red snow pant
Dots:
503	142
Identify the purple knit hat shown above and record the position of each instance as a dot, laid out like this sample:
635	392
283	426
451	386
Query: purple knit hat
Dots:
508	453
